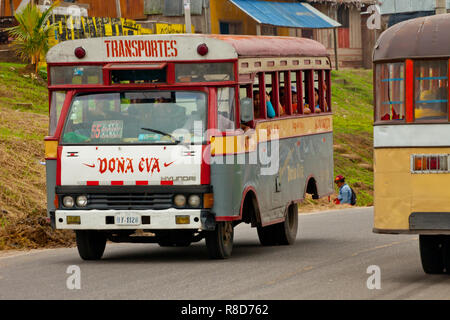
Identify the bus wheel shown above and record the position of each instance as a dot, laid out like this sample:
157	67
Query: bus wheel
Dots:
432	253
91	244
283	233
220	241
290	226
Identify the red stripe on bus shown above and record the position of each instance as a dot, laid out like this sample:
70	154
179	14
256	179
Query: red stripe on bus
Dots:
58	166
141	183
205	168
166	183
409	92
92	183
117	183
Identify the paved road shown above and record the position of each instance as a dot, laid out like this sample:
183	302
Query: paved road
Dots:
328	261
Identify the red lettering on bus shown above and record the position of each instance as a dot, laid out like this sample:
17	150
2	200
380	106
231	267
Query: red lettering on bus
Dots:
107	42
128	48
135	47
174	48
129	165
141	47
161	42
103	165
148	49
155	48
166	47
112	164
114	48
121	50
120	165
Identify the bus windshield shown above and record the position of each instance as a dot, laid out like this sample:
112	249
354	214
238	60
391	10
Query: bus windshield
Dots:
136	117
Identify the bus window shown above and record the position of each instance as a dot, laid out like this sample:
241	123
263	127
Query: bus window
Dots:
431	90
204	72
76	75
390	80
297	92
57	101
138	76
308	82
225	109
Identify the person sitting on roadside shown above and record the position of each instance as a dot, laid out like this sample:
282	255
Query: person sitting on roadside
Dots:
345	193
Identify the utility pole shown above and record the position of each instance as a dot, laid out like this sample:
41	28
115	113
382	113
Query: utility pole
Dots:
187	15
118	10
441	6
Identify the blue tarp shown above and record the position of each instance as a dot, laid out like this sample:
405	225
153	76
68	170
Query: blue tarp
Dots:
286	14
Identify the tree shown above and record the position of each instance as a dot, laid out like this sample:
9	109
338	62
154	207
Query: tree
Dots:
31	35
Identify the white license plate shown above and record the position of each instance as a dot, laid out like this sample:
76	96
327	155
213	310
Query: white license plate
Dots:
127	219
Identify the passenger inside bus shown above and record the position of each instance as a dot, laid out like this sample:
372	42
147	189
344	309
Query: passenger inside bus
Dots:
257	104
316	101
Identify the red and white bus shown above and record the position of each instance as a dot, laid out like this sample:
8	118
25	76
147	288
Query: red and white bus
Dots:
166	139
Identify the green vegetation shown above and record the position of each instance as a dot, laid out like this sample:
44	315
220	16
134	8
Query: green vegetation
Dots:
32	34
352	100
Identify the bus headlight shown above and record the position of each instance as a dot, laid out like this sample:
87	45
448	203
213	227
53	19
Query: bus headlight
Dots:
194	201
68	202
82	201
179	200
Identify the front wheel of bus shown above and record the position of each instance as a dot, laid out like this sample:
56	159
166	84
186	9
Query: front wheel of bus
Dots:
220	241
432	253
91	244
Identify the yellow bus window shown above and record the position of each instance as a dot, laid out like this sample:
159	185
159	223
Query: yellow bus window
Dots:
390	87
431	90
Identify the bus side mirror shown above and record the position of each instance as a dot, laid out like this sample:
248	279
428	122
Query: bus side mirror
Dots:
246	110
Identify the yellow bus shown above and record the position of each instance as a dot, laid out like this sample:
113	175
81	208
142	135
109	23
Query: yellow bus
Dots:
412	136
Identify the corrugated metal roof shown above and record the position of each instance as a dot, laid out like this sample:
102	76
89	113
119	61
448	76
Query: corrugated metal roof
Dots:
286	14
403	6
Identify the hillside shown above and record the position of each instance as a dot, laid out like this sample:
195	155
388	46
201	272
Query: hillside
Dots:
23	125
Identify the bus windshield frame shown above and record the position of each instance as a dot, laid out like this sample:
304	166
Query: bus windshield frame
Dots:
136	117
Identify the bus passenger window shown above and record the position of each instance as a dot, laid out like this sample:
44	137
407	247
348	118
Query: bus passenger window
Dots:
390	79
431	90
225	109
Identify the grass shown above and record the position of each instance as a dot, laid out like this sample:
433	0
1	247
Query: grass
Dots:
24	124
352	100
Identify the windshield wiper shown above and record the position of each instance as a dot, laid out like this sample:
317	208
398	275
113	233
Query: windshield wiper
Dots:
163	133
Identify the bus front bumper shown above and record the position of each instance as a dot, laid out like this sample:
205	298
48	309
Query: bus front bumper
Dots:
168	219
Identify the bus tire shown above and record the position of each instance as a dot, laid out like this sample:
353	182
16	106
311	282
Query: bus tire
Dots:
432	253
267	235
90	244
283	233
288	233
220	241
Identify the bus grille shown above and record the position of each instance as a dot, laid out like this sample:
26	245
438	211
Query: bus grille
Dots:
130	201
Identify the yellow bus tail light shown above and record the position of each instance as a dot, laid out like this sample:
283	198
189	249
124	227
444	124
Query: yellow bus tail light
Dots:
208	200
51	149
430	163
